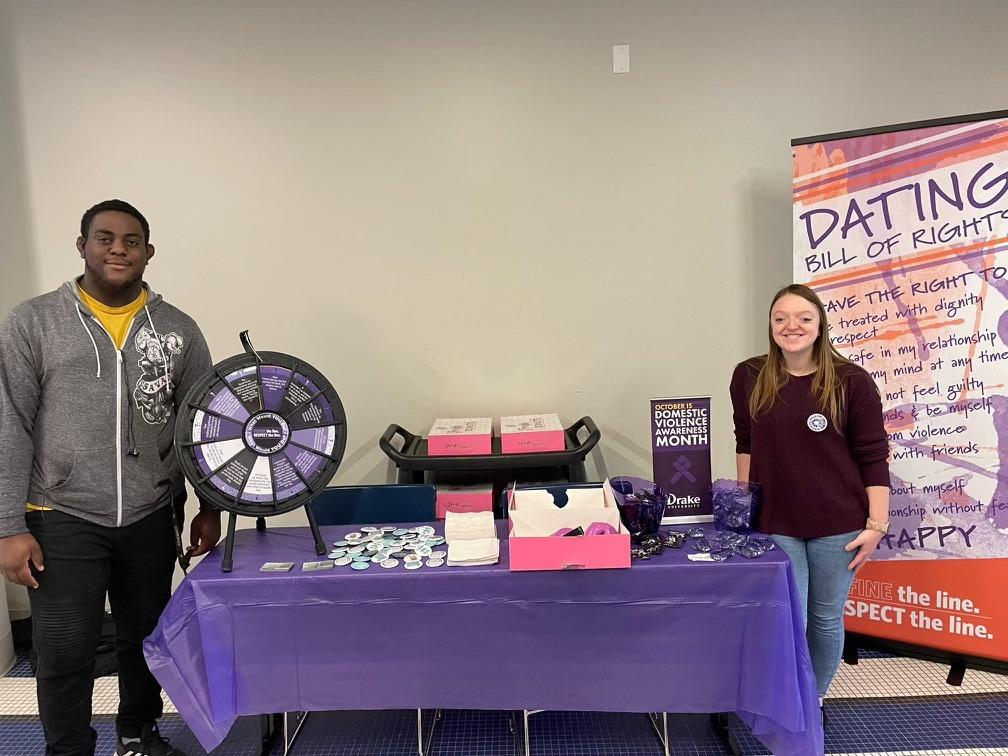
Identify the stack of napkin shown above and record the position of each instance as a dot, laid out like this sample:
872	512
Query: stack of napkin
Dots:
472	538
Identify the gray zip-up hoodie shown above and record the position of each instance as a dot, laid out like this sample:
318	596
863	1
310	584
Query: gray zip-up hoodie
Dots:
85	428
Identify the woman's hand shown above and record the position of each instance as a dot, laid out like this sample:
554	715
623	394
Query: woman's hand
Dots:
865	545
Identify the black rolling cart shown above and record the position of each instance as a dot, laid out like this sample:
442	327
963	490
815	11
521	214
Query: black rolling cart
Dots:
415	465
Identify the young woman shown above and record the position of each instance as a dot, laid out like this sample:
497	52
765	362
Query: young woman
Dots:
808	429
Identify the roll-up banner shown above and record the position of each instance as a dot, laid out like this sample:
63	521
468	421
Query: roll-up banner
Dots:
903	233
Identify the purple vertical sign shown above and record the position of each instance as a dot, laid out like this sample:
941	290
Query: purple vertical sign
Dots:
680	448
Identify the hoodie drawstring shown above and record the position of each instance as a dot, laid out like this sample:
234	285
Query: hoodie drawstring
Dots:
157	340
80	316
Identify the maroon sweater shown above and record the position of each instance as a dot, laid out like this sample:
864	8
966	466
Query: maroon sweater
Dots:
813	482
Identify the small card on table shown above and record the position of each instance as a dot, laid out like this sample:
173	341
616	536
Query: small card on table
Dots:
324	564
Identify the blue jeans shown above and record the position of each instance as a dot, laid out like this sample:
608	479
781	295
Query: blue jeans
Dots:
823	578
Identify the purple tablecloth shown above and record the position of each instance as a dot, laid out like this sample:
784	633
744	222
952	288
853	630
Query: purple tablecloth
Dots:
666	635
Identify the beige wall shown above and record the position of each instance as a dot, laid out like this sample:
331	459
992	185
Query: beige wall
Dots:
318	172
17	280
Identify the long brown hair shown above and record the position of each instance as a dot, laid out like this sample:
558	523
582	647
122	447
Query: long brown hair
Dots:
826	386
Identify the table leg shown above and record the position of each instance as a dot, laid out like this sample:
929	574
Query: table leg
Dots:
513	724
526	713
663	732
719	723
269	728
424	743
299	719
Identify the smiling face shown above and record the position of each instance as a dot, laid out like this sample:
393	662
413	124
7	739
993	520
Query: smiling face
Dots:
794	326
115	255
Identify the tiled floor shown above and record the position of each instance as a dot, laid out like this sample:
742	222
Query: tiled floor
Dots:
882	705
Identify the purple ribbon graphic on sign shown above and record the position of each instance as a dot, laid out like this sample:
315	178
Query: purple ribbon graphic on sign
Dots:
682	467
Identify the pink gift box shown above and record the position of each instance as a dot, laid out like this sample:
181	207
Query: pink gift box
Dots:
526	434
547	552
463	499
460	436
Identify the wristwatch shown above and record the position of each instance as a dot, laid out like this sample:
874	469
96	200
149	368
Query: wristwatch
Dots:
881	527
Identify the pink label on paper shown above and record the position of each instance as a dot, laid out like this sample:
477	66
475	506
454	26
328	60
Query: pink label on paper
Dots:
463	501
533	441
449	446
460	436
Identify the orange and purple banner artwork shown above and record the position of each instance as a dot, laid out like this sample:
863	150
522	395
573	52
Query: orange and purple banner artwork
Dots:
903	233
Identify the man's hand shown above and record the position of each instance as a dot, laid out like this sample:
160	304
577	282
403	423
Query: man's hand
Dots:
865	543
15	553
204	532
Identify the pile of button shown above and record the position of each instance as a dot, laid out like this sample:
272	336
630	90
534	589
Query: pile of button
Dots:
388	546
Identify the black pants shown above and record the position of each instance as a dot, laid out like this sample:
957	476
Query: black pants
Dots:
83	561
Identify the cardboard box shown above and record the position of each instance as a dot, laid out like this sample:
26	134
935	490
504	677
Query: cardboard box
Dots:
533	517
463	499
460	436
526	434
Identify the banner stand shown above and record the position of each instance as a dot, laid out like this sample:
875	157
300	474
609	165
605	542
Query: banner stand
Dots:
958	664
902	231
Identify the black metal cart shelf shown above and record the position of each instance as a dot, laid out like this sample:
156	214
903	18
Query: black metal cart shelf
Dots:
415	465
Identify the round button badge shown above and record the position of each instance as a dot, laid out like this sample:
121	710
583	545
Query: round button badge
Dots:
816	422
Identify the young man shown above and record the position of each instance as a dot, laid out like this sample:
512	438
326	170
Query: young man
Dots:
91	379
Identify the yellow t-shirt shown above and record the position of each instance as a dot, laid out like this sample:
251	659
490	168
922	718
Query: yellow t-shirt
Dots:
115	320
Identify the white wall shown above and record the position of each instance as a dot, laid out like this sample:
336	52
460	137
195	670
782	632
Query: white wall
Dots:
17	280
318	171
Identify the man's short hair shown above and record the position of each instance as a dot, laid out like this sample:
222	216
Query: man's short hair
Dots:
118	206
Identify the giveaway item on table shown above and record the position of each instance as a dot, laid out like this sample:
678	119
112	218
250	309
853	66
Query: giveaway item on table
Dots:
460	437
674	539
753	546
723	544
566	528
276	567
461	526
389	547
322	564
567	532
646	547
736	505
472	539
702	545
474	552
455	498
525	434
641	505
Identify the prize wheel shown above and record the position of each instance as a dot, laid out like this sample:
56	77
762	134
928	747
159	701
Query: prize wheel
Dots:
260	434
